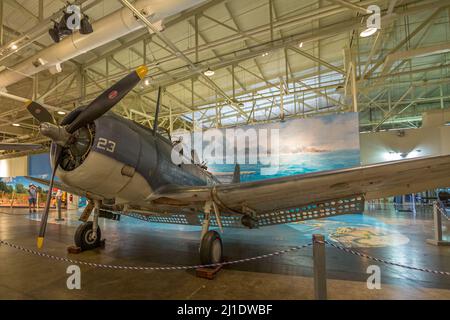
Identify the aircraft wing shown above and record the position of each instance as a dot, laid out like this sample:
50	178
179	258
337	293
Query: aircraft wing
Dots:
345	185
19	146
58	185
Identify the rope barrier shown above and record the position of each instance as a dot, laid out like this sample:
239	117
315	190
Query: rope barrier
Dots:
442	210
145	268
166	268
363	255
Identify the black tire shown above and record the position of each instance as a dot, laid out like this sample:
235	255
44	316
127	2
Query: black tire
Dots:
211	248
82	237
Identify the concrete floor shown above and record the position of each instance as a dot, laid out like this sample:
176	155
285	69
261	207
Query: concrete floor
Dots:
381	232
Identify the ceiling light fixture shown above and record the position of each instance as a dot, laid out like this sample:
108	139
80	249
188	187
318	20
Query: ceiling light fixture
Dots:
14	46
147	82
265	54
368	32
300	45
61	112
16	125
209	73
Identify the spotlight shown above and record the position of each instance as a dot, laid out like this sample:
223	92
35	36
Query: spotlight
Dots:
300	45
54	34
14	46
60	28
61	112
85	25
265	54
147	82
209	73
16	125
368	32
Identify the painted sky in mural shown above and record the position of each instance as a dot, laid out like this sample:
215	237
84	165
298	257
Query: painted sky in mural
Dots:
303	146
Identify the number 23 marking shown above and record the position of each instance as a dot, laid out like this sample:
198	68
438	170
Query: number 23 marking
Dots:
107	145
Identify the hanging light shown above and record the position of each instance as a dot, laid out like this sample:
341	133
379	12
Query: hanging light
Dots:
209	73
368	32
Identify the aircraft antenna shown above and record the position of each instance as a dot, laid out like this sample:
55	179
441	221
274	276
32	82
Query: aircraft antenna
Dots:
158	102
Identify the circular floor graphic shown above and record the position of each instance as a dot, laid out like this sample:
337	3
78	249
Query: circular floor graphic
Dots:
367	237
353	230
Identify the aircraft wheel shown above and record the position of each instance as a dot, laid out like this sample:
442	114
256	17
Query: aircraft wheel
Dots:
84	239
211	248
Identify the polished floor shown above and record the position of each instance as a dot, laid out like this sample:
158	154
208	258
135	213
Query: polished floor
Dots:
381	232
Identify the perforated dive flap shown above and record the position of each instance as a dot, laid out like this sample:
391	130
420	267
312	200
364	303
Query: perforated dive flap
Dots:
347	205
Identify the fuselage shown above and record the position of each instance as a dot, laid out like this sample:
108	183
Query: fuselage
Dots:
126	162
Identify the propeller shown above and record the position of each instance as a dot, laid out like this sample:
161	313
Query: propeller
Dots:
62	135
107	99
40	113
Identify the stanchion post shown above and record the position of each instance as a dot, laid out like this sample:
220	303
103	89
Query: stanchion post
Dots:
437	223
320	271
437	241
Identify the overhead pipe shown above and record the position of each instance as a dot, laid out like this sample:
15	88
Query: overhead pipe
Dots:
107	29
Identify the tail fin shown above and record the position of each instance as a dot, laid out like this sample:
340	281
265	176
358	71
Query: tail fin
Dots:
236	174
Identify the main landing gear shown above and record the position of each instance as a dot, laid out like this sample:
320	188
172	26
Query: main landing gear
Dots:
211	248
88	235
211	243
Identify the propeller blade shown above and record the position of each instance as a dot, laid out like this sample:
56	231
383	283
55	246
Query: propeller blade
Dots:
107	99
40	113
19	146
40	239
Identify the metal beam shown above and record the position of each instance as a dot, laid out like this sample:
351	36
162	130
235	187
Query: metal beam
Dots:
351	6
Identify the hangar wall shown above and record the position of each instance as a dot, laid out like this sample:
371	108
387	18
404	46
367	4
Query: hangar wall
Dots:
14	167
433	138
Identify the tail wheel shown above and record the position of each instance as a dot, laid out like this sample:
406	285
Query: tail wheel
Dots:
84	237
211	248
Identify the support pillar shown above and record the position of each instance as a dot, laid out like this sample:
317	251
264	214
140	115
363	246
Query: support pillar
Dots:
206	220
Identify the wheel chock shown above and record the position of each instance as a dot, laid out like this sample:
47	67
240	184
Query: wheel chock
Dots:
208	273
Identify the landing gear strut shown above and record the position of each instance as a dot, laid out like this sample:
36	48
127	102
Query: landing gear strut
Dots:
211	244
88	235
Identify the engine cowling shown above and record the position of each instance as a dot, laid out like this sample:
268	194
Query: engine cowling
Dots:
103	160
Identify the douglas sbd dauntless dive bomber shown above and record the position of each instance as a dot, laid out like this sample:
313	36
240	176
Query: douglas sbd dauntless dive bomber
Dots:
125	168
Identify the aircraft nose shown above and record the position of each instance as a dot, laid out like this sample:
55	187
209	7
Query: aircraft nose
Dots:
54	132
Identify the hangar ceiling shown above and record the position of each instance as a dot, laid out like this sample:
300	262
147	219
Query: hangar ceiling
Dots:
272	59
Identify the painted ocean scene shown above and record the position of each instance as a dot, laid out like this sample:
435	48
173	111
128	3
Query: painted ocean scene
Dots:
295	164
304	145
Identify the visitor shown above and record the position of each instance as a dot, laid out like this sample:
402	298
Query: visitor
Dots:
32	197
59	195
